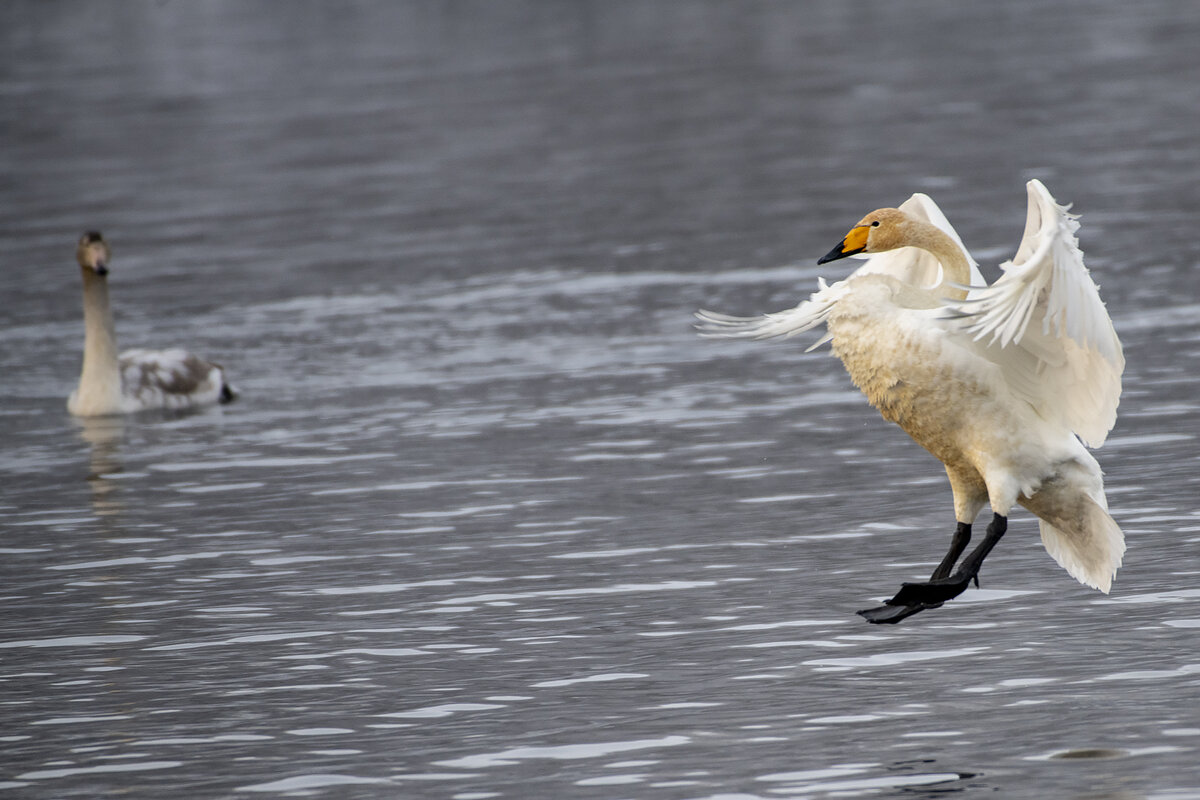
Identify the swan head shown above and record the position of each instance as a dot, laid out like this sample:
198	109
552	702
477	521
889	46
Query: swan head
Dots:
882	230
93	253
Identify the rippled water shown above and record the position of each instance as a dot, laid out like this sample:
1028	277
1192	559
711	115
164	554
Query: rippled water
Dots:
489	520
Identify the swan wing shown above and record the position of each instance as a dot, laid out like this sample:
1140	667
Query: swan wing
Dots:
168	378
1044	324
806	316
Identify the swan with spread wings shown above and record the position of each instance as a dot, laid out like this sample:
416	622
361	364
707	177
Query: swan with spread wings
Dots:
1005	384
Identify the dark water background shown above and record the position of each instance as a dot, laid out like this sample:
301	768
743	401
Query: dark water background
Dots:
489	520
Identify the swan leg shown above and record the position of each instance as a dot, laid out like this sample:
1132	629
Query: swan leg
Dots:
943	589
962	536
916	597
969	568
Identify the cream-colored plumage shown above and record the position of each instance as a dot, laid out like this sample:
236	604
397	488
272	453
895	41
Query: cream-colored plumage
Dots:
1000	383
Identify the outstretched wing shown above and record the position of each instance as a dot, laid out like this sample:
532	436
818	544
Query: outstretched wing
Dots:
1044	324
806	316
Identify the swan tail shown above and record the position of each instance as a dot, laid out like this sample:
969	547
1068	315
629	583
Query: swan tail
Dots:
1088	544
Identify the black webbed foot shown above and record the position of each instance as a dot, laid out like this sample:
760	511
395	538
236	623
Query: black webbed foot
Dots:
889	614
927	592
914	598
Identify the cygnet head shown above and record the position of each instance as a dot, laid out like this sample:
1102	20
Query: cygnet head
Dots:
881	230
93	253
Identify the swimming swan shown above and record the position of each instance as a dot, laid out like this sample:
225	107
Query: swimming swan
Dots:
138	380
1004	384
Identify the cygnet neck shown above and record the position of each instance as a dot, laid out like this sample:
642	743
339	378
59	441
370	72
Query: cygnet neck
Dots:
100	358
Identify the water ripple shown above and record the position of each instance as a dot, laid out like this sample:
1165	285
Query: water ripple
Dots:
568	752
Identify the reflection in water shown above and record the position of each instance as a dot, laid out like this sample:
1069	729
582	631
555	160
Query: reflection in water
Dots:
105	436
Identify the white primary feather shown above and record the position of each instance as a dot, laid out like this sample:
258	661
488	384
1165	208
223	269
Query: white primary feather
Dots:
804	317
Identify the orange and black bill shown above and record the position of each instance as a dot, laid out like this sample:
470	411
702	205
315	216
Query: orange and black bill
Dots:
855	242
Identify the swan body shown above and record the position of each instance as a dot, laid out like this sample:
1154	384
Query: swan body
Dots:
136	380
1004	384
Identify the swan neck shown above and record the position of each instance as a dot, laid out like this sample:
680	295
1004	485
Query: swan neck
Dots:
100	360
955	266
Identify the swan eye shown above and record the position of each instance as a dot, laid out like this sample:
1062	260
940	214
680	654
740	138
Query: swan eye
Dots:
875	224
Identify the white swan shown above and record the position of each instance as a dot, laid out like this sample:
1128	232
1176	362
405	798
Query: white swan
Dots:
995	381
137	380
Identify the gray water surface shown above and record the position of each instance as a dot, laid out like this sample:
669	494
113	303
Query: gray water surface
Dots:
489	520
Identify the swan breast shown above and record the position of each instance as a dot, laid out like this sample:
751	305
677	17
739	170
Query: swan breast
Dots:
952	402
